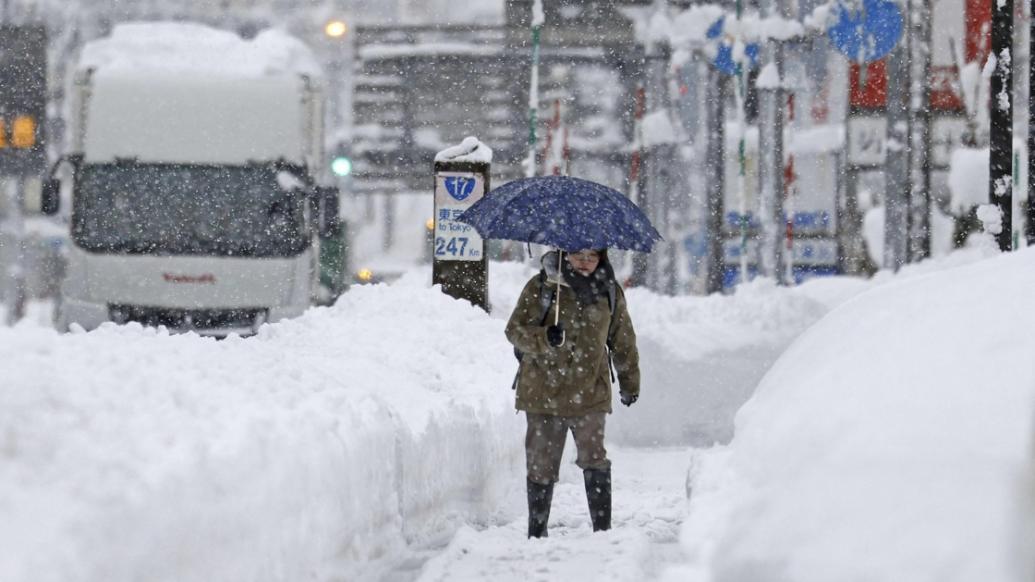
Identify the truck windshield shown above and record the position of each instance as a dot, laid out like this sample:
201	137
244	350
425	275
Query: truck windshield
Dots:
187	210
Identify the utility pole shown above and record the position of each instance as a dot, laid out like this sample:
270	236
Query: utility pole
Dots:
656	197
1030	222
715	158
537	21
770	155
919	31
1000	161
637	184
896	166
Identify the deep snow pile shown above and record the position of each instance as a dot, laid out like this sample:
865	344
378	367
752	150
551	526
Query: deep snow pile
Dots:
306	452
892	441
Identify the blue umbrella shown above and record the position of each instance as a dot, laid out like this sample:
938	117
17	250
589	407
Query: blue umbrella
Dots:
564	212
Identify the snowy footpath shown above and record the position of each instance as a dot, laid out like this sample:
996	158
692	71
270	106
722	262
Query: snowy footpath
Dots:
649	506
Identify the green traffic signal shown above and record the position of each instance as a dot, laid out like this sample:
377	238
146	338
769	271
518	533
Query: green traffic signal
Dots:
341	166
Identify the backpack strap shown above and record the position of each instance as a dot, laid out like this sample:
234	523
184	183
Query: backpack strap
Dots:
612	301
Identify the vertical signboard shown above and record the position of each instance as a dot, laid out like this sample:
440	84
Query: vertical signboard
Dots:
23	99
455	192
459	261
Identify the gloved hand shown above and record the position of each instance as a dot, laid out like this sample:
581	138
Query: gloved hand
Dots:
629	399
555	335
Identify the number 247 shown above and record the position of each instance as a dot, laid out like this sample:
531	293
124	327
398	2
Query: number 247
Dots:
442	247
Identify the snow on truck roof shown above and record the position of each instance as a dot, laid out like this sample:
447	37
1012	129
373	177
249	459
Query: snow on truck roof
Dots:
172	92
198	49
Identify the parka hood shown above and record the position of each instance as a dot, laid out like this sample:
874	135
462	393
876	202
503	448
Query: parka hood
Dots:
550	266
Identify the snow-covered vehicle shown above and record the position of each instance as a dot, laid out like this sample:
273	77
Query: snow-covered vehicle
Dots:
192	164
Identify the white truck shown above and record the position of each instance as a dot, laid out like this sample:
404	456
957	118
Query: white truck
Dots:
192	166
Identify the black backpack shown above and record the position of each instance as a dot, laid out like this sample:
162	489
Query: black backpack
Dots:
547	293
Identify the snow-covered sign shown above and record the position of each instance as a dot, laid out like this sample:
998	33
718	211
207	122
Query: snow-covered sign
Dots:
455	192
867	32
732	51
866	140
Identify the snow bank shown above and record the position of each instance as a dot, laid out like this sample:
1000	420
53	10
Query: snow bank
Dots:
310	451
892	441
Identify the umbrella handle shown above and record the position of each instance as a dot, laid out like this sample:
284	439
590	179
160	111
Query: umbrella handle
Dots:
557	305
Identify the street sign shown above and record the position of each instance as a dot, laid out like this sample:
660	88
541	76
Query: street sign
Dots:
455	192
867	140
868	32
23	100
724	58
724	52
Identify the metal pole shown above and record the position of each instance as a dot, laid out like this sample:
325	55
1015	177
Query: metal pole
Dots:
715	155
740	93
15	293
655	197
1030	222
896	185
1000	161
770	166
919	244
640	262
533	89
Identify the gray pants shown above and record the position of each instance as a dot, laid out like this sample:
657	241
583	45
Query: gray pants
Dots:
544	444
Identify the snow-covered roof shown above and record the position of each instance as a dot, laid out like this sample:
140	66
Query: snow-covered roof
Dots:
391	51
198	49
469	150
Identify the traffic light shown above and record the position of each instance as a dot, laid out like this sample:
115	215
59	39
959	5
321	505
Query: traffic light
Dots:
341	165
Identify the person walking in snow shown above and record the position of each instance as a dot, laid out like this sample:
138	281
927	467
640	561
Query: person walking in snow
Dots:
571	331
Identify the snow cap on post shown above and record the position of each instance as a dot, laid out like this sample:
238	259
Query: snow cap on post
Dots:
469	150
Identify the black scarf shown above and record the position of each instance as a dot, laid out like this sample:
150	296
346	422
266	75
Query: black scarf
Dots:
591	287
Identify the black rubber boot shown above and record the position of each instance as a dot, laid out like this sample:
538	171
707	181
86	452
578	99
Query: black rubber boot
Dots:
539	498
598	493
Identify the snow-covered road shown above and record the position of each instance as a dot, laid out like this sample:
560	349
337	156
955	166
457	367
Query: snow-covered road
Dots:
649	506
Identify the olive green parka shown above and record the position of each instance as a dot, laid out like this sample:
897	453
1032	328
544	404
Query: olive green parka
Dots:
573	379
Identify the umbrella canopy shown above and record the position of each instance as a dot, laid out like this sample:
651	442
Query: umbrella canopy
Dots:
564	212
